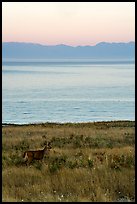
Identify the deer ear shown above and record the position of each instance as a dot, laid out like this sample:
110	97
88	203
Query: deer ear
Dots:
45	143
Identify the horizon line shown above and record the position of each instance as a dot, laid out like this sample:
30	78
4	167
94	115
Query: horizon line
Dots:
62	44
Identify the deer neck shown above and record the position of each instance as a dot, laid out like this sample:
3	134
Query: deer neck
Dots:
45	149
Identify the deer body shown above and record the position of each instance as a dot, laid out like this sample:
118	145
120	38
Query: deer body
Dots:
37	154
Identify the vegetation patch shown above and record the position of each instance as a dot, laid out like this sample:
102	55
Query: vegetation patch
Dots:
92	162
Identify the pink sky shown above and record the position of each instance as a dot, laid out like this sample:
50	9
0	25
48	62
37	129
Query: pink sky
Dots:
70	23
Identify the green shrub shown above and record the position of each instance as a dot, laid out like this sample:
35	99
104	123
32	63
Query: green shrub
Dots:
23	145
54	167
72	164
56	163
78	141
37	165
16	160
90	163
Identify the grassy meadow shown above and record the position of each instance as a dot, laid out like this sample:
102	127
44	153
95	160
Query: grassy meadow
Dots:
87	162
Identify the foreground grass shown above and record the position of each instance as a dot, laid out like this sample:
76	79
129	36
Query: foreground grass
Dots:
87	162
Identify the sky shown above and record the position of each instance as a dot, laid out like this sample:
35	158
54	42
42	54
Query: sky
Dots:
70	23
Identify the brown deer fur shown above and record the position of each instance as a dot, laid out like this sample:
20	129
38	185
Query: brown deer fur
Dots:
29	156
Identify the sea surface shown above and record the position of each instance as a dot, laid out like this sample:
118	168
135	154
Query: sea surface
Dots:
63	91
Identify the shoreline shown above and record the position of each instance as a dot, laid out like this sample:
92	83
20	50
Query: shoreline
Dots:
67	123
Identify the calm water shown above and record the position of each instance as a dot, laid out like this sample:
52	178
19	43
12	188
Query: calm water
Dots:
67	92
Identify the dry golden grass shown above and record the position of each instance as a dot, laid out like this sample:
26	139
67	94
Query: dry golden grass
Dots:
87	162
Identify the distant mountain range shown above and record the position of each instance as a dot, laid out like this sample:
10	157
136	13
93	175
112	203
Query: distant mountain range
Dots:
103	50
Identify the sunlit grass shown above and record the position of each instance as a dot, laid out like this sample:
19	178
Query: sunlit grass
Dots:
87	162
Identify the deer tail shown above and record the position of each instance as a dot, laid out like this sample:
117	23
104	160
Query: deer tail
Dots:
24	154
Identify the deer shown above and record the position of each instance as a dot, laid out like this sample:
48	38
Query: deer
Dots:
29	155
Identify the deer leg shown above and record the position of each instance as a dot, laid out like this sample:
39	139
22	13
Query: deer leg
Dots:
30	160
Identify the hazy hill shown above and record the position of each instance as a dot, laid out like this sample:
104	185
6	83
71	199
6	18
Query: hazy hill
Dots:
103	50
